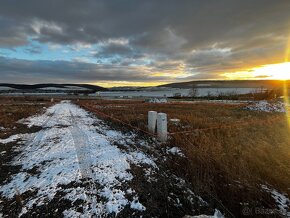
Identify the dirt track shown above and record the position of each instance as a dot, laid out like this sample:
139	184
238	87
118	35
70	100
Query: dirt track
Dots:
76	165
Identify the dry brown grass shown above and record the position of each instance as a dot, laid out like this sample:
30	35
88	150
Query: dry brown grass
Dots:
16	108
227	164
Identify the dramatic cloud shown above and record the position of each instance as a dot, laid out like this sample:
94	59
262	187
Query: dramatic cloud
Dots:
138	41
65	71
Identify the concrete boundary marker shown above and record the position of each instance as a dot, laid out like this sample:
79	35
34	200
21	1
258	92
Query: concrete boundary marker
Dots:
152	120
162	127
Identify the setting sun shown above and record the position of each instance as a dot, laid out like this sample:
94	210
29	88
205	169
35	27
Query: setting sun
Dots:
274	71
279	71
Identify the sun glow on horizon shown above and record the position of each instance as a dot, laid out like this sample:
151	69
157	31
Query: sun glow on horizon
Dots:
279	71
286	88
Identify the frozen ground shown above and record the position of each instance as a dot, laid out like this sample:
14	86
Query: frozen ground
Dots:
282	201
170	92
77	159
266	106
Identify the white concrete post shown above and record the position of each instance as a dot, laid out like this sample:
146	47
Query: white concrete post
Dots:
51	100
162	127
152	117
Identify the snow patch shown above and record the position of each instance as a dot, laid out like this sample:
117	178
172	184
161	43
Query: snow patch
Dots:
6	88
157	100
136	205
217	214
140	158
71	213
175	151
282	201
265	106
12	138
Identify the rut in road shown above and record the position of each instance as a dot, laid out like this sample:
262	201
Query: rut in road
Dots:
80	140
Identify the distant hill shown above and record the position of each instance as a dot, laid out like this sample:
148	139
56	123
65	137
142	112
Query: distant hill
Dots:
53	86
270	84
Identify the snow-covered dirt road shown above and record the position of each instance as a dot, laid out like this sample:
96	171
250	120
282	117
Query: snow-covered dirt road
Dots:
77	166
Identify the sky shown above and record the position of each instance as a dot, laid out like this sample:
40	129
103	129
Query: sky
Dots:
143	43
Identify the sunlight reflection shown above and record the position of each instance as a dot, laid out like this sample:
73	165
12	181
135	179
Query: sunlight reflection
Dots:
286	90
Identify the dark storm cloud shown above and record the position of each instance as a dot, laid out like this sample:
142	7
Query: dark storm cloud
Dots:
115	49
13	32
199	22
169	31
18	71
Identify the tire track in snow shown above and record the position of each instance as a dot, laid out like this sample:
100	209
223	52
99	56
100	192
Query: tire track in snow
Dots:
83	153
39	136
80	140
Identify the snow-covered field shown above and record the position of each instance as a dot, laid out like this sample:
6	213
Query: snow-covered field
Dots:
170	92
66	88
74	157
5	88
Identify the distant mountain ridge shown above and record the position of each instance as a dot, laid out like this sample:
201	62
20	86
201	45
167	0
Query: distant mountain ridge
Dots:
270	84
53	85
